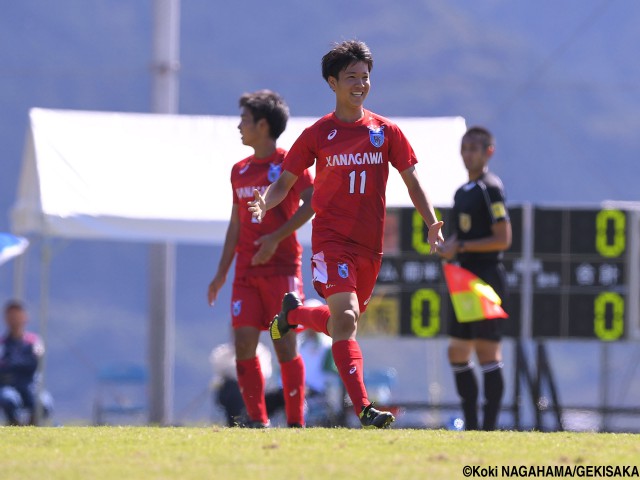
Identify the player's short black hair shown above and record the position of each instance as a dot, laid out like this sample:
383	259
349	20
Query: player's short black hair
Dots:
13	305
344	54
480	134
270	106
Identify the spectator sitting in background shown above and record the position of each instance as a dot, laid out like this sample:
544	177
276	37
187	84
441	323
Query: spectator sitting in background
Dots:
20	354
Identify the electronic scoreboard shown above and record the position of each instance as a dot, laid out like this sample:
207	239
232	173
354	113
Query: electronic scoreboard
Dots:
571	272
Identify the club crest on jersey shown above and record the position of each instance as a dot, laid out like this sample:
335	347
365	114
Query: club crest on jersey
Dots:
236	307
274	172
343	270
376	135
464	222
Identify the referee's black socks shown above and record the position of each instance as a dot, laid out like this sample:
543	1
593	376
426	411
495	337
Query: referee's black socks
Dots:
493	390
467	386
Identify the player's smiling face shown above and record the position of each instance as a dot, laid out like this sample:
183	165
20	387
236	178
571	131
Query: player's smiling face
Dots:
248	128
352	85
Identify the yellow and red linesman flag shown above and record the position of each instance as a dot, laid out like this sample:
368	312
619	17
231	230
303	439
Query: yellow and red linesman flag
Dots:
472	298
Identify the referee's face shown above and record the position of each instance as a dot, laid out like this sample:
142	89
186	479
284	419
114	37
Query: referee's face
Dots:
475	155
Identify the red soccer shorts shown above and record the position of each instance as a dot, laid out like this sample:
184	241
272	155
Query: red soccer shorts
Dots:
339	271
256	300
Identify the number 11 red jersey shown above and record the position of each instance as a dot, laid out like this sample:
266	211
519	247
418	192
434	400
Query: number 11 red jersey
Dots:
352	167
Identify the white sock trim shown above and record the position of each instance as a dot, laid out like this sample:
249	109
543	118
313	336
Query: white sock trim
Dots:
491	366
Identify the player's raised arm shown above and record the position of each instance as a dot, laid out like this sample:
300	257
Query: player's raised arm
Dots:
273	195
424	207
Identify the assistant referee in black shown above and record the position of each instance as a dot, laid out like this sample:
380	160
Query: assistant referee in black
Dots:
482	234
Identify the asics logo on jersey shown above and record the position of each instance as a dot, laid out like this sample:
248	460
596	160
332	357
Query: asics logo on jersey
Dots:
353	370
247	192
244	169
293	392
332	134
371	158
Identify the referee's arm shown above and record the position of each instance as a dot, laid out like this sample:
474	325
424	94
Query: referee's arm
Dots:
499	240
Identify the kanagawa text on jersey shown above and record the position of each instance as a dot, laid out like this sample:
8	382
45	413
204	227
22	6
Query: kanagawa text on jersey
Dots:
247	192
370	158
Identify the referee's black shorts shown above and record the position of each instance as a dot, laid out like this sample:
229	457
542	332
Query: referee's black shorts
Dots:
494	274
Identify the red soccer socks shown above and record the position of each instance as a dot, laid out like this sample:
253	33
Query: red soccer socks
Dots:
348	358
315	318
251	382
293	390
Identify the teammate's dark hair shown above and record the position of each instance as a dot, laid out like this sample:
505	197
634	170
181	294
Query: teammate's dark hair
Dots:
270	106
13	305
344	54
480	134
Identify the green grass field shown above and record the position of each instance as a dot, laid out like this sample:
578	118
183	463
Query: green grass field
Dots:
284	454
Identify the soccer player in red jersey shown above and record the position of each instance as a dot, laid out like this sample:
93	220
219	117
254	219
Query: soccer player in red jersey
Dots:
268	257
352	149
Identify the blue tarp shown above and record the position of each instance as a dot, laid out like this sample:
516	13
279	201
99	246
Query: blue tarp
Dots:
11	246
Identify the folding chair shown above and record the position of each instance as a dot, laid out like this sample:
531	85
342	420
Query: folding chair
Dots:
121	395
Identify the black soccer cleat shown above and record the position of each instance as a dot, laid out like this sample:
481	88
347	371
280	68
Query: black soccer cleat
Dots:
279	327
243	421
254	424
258	424
372	418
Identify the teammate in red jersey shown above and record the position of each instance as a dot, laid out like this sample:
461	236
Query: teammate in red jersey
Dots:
268	257
352	149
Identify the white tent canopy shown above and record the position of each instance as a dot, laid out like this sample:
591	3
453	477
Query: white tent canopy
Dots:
165	178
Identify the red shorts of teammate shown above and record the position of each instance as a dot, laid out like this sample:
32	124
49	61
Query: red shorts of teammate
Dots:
339	271
256	300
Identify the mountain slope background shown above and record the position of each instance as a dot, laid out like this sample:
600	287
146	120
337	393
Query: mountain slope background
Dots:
557	82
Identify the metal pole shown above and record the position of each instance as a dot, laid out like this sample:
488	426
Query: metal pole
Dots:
45	273
162	257
19	269
633	272
604	386
526	271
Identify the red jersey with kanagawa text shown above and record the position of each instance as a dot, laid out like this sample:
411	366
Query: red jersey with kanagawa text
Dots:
352	167
258	173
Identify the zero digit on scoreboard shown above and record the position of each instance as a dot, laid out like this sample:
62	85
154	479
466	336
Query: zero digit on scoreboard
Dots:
418	300
618	244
